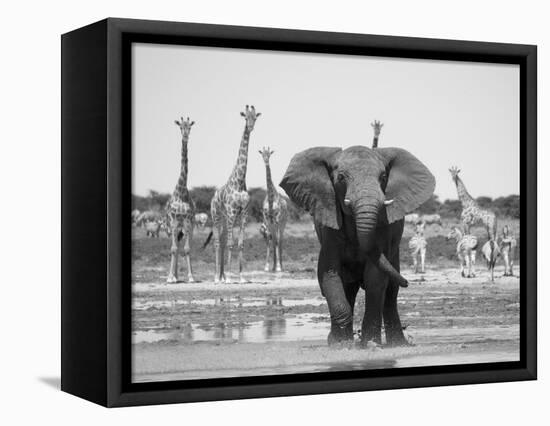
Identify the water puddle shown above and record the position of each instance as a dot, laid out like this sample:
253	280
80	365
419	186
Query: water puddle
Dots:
229	302
302	327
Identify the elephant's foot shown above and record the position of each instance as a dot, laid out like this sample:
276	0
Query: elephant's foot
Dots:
340	336
172	279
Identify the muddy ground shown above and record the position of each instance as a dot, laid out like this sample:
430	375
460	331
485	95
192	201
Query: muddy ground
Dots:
278	323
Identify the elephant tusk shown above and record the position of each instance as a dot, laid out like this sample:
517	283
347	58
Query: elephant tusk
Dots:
347	202
388	202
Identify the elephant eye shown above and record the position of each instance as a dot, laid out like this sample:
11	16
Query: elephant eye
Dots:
340	177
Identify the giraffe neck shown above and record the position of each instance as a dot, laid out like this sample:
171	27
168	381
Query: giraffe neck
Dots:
270	188
181	186
375	142
238	176
465	198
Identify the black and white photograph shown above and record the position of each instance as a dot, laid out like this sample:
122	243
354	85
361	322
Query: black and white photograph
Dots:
298	212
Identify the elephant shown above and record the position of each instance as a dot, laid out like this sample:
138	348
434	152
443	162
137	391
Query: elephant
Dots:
358	198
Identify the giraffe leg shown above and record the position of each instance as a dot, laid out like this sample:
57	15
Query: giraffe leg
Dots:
241	245
280	232
266	269
174	249
274	246
187	254
216	233
473	263
415	262
461	260
229	230
511	261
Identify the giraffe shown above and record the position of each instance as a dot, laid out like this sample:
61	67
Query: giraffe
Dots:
180	211
275	214
466	246
417	247
377	127
471	212
229	206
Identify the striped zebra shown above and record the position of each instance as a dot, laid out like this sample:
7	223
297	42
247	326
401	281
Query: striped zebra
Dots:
508	246
417	247
466	246
491	253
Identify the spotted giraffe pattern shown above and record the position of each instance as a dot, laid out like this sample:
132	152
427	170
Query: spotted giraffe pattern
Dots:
180	211
229	206
472	214
275	214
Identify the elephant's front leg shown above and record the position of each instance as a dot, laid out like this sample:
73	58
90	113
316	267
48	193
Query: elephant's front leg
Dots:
341	312
376	283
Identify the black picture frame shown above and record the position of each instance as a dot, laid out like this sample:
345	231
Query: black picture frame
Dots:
96	358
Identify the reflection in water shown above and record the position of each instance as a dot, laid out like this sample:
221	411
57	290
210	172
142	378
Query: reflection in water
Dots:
274	301
274	327
227	302
300	327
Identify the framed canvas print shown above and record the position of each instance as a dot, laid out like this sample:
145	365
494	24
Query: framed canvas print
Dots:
253	212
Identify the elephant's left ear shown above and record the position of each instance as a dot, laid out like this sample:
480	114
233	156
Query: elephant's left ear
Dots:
410	183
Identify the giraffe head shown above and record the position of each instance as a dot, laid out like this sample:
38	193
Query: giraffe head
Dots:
377	126
250	116
185	126
505	231
454	172
266	152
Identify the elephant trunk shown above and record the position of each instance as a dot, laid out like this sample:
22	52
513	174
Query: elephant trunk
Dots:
366	219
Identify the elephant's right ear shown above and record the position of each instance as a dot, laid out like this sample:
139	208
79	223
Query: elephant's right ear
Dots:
308	183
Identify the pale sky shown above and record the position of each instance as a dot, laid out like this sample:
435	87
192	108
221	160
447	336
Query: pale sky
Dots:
446	113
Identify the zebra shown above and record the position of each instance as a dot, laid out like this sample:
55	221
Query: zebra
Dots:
201	219
417	246
431	219
152	229
491	252
508	247
466	246
412	218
